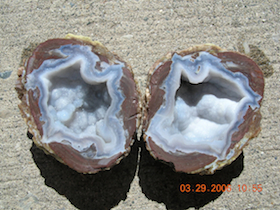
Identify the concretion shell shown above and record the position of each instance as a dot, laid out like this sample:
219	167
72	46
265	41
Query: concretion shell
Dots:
30	103
196	162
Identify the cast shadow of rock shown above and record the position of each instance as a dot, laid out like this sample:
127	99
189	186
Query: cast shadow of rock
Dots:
103	190
257	55
160	183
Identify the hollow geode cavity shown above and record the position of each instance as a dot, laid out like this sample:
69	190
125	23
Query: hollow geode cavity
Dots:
80	102
202	107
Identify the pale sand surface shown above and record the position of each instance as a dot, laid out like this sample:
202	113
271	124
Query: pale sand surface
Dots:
140	32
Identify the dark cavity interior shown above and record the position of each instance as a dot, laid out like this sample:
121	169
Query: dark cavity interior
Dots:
219	87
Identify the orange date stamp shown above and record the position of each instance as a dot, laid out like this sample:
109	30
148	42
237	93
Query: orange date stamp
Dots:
214	188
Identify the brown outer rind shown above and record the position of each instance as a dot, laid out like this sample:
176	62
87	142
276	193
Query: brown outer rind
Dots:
30	110
198	162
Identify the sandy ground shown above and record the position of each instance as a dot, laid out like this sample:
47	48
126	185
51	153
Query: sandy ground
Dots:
140	32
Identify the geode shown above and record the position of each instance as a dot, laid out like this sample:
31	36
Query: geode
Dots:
202	106
80	102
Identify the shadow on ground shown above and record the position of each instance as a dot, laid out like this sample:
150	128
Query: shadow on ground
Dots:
160	183
103	190
257	55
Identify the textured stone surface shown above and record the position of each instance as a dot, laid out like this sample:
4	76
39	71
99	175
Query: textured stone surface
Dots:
140	32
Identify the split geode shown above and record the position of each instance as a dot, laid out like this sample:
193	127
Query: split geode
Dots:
80	102
202	106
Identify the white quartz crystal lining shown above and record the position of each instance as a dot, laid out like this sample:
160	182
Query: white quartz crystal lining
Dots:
203	105
80	105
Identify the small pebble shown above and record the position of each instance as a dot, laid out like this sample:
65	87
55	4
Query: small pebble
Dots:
5	74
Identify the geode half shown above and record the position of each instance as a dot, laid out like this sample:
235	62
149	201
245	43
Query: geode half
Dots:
202	106
80	102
